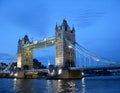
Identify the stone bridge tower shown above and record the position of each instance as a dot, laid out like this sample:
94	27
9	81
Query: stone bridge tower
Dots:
65	54
25	60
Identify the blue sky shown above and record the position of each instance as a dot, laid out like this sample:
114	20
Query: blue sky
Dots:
97	24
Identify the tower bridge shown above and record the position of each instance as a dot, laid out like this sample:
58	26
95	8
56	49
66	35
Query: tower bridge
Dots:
66	50
63	52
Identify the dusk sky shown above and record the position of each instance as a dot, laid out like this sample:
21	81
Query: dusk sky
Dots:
97	25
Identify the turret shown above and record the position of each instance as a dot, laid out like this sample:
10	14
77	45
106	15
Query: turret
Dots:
56	27
64	23
25	40
24	61
73	30
65	56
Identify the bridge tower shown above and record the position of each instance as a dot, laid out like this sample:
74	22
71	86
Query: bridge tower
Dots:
25	60
65	54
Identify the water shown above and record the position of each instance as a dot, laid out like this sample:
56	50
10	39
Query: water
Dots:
86	85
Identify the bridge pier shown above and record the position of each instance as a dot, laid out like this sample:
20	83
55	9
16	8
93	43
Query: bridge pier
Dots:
23	74
71	74
61	73
20	74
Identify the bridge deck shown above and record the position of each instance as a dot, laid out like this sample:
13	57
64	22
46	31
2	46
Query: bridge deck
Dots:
95	68
47	42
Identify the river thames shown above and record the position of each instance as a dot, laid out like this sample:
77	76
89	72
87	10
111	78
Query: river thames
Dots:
107	84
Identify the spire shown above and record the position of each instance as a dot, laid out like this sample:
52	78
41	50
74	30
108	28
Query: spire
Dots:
19	41
26	36
64	23
56	27
26	39
73	29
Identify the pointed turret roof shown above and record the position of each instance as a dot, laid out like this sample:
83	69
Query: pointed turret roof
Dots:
64	23
26	39
56	26
73	29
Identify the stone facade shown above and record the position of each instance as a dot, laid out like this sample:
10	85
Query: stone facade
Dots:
65	54
25	59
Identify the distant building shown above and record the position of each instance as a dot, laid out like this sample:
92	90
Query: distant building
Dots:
38	65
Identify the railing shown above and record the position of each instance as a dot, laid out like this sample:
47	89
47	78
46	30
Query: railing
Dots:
95	67
36	70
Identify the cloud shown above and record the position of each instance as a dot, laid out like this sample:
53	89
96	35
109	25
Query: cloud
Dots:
88	17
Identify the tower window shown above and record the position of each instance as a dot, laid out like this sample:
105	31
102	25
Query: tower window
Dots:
71	31
65	28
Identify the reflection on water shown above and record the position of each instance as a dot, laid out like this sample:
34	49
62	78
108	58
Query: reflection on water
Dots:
83	85
66	86
86	85
46	86
21	85
61	86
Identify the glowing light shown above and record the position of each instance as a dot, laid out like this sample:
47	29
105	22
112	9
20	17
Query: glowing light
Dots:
83	82
60	71
59	80
69	46
82	73
83	85
52	73
15	74
15	79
